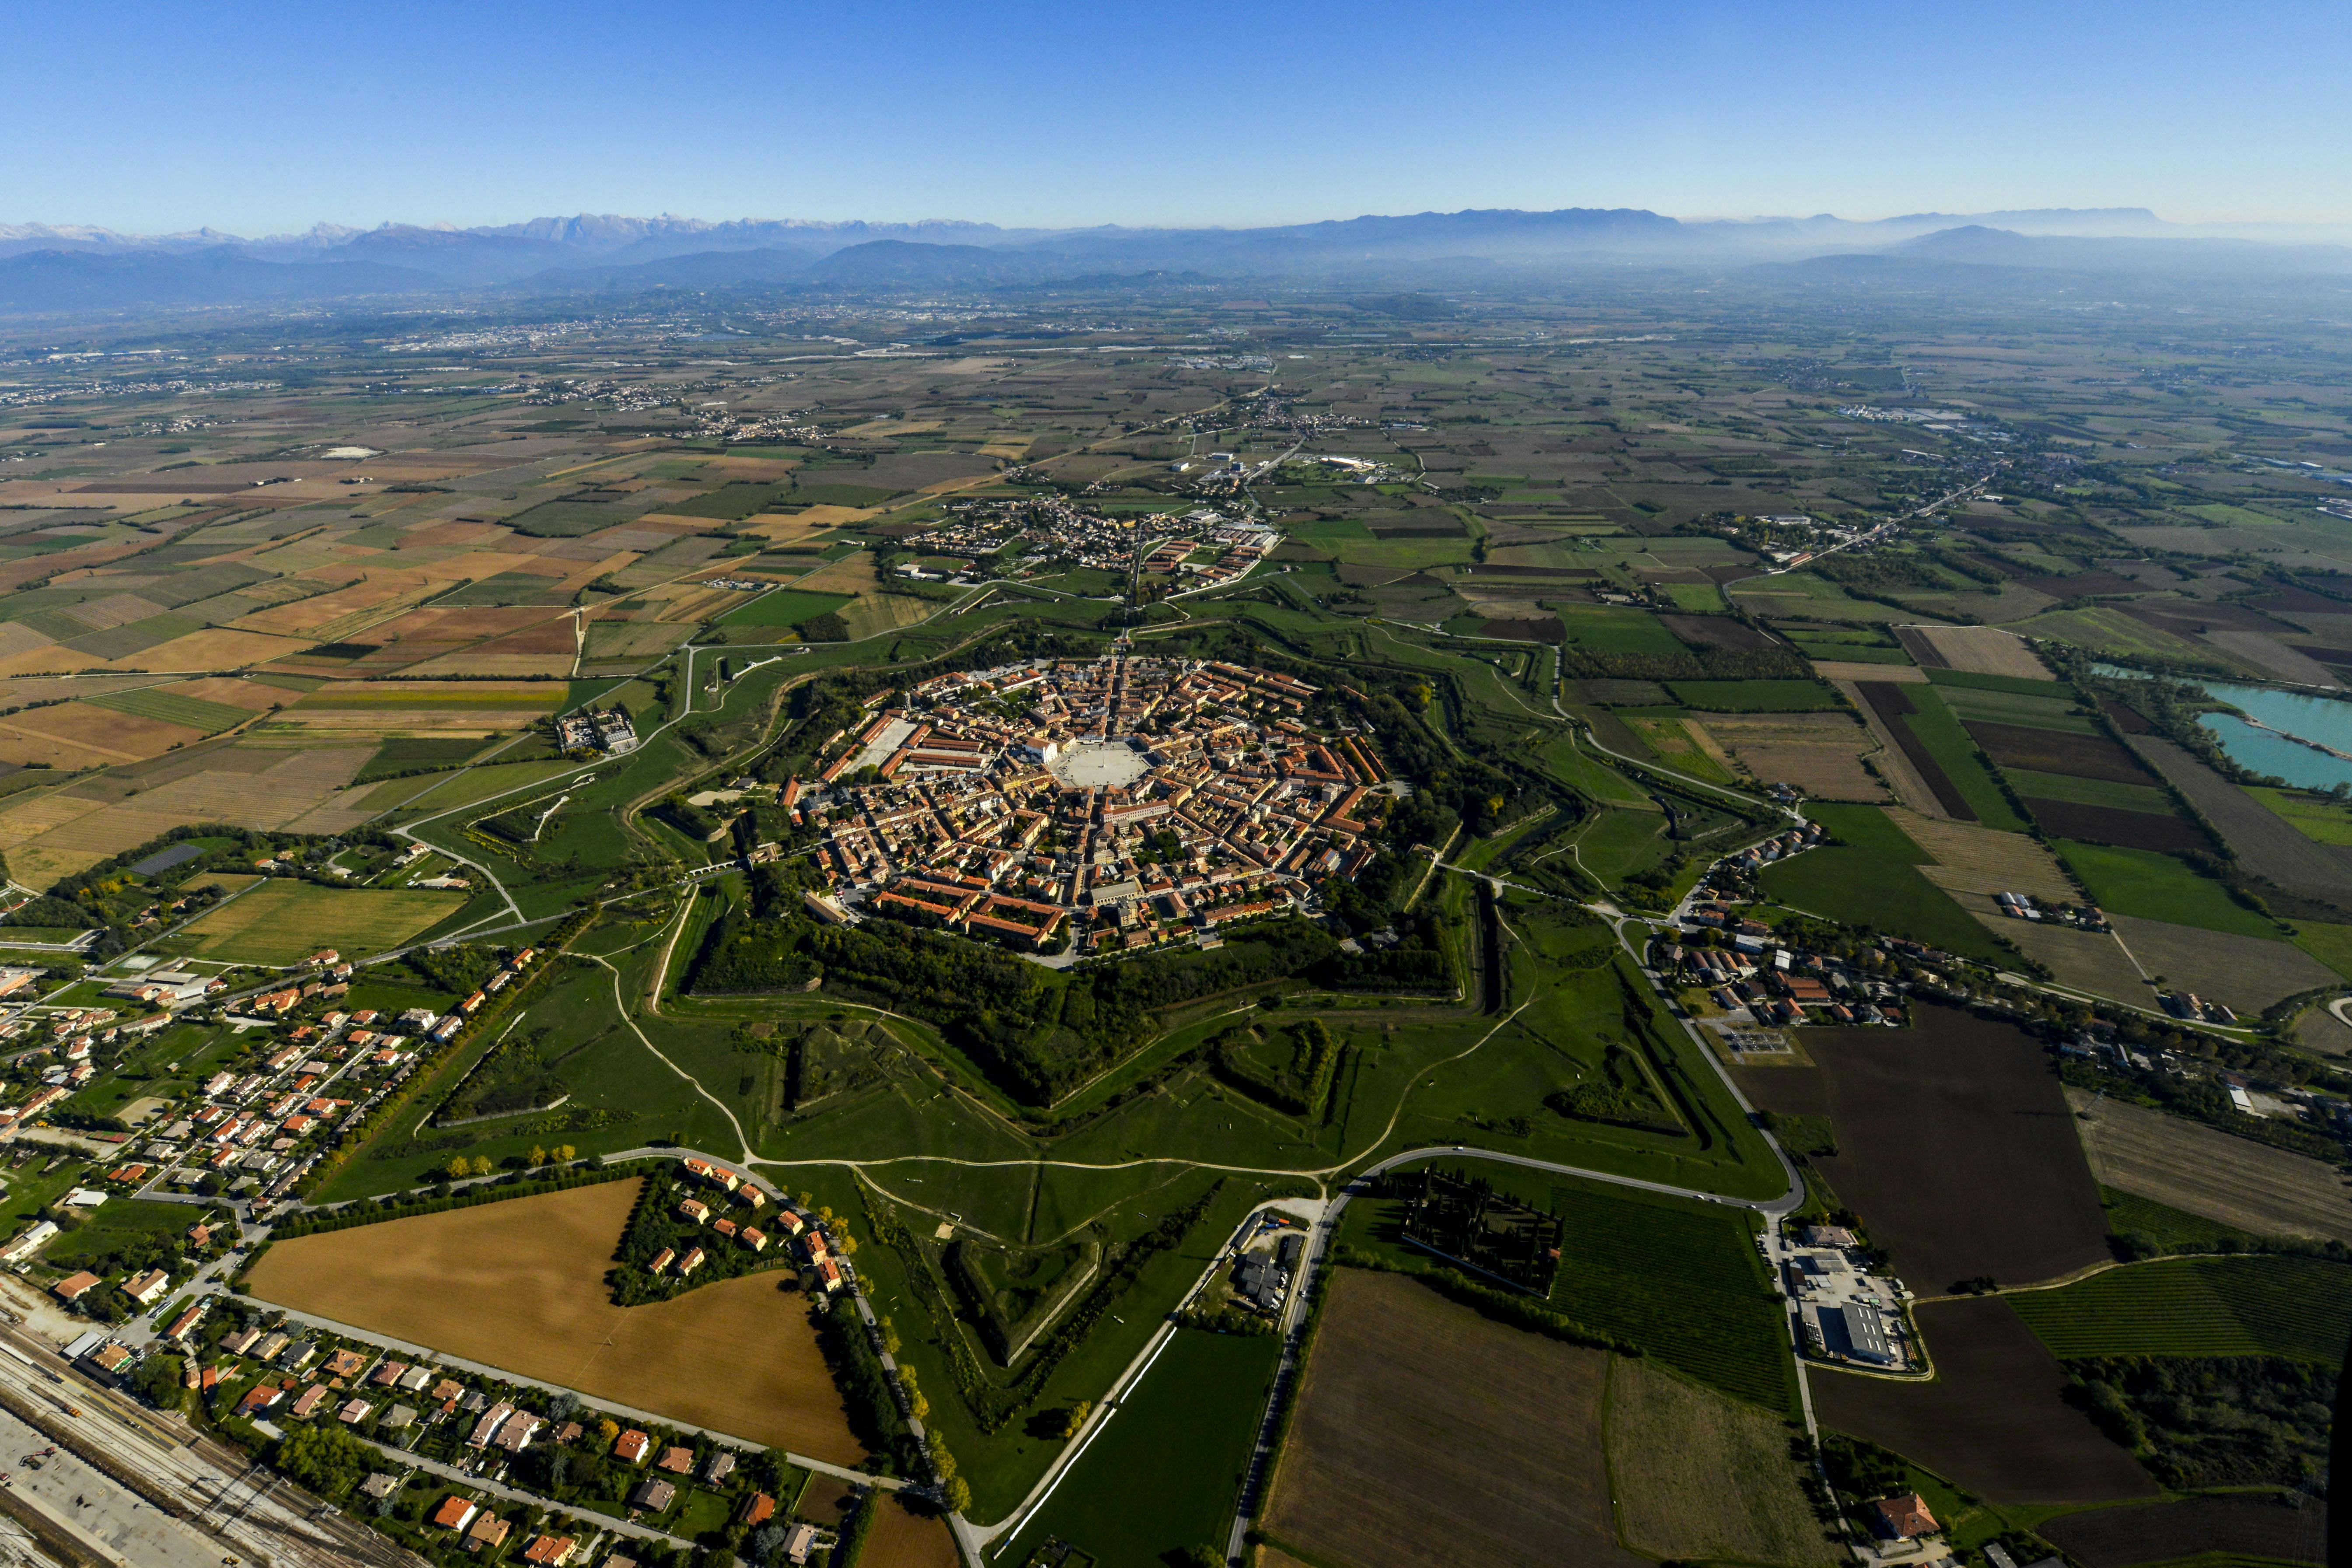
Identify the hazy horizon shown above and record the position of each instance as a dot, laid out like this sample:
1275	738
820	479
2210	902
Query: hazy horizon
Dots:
1052	116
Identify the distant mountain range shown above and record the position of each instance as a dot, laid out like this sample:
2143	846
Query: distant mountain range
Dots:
46	268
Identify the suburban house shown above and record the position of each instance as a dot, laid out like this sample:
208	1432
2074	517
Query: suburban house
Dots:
489	1533
652	1494
549	1550
1902	1517
676	1461
455	1513
631	1446
799	1542
312	1398
691	1262
144	1289
74	1286
757	1510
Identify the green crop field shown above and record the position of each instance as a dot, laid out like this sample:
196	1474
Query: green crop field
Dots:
2159	887
2331	945
284	921
2038	711
1609	629
2317	818
567	518
732	503
1872	878
2245	1305
1188	1426
1754	696
2128	1213
1683	1281
160	703
785	608
2090	792
1956	753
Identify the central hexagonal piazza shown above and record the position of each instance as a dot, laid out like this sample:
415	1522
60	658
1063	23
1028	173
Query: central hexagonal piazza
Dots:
1100	765
1103	804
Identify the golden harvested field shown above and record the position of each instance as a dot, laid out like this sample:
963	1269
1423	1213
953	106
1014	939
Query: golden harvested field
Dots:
1701	1476
329	613
1391	1461
631	639
217	648
905	1539
76	735
2204	1172
793	528
521	1284
2247	974
284	921
851	575
1820	753
1972	859
873	613
1983	651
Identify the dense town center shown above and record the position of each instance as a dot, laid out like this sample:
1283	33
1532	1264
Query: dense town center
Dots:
1119	802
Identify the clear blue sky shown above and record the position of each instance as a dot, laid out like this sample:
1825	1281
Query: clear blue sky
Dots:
265	117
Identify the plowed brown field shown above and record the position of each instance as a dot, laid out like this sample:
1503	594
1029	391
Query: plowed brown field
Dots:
521	1284
1392	1463
1996	1418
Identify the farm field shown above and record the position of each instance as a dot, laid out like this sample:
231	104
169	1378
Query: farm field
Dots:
1752	696
2221	1531
1383	1447
71	829
2251	1304
903	1538
519	1285
1955	1146
2263	842
1190	1424
1995	1420
2317	818
1681	1279
2246	972
2159	888
2202	1171
785	608
2092	962
1968	858
2125	828
1698	1476
283	922
1819	753
1872	877
1985	650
